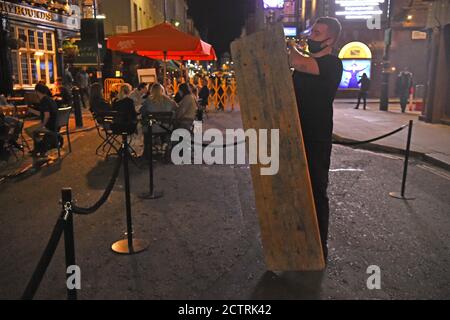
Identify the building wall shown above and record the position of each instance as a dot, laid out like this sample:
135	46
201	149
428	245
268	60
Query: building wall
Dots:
404	52
135	15
437	105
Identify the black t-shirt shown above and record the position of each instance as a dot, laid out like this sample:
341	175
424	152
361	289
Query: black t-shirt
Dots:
126	109
47	104
315	95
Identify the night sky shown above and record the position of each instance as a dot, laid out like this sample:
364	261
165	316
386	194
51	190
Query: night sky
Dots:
219	21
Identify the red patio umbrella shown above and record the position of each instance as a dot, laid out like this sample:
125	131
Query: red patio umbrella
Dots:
163	42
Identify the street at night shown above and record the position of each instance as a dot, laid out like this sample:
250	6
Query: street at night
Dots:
204	152
203	234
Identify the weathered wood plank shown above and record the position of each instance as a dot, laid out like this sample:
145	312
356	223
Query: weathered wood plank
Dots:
285	203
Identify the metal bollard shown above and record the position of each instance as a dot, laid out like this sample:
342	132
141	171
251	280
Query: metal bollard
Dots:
130	245
77	107
69	242
152	195
401	195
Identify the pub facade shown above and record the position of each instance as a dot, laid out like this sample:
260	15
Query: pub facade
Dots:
37	29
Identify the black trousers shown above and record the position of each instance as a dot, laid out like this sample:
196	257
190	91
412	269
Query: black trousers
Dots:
319	159
84	94
362	95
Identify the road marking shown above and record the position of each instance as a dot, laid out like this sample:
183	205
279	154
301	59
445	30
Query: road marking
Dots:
437	172
381	154
347	170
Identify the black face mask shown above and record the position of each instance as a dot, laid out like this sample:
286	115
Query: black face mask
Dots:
316	46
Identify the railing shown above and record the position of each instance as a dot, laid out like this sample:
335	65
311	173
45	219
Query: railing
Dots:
110	85
222	94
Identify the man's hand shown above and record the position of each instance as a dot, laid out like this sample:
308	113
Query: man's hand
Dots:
301	63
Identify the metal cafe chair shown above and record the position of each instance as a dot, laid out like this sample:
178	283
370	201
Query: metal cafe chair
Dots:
110	141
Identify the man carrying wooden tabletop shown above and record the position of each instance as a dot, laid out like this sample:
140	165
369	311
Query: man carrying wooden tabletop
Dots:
316	80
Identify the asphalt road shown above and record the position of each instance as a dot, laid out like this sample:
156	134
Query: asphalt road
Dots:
204	235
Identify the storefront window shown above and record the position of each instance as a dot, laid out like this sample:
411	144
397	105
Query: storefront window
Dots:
22	36
24	68
34	74
50	68
31	39
43	69
40	37
35	59
49	40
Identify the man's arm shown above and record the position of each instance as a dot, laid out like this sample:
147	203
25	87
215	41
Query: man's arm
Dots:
46	118
34	111
303	64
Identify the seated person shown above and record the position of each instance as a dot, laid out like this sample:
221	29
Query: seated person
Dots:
185	114
96	101
158	101
137	95
48	92
41	134
124	105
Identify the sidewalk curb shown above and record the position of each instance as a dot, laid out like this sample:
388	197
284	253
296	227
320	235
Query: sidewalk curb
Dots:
379	147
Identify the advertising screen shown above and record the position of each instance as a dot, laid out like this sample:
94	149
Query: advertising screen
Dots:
290	31
353	71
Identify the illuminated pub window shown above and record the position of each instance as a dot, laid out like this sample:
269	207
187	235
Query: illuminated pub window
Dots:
35	59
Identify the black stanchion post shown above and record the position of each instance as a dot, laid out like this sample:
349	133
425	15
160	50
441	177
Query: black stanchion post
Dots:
69	242
130	245
401	195
77	107
152	193
126	173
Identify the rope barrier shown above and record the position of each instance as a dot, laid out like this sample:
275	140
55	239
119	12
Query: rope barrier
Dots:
105	196
356	143
45	260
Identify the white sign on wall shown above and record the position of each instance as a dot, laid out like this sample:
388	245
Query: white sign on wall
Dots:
419	35
358	9
121	29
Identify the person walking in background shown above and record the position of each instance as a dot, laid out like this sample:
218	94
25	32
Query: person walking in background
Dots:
68	78
365	86
403	87
83	85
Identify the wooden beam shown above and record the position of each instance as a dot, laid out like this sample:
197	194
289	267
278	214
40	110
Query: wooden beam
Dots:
285	204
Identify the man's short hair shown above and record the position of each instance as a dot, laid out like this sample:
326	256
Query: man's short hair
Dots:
334	26
142	85
41	88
